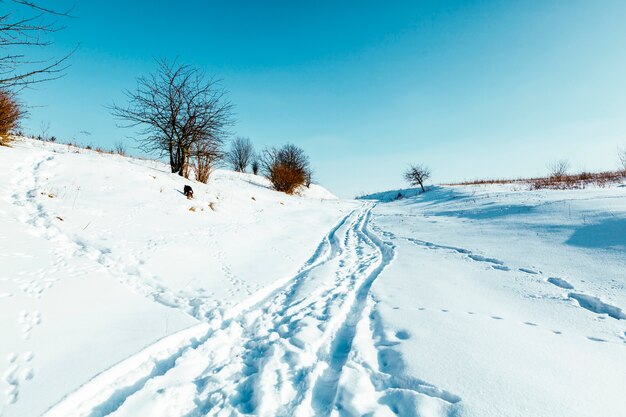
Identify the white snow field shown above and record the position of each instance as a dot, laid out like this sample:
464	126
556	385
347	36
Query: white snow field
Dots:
116	299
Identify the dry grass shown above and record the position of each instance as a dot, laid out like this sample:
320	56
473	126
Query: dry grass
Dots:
562	182
581	180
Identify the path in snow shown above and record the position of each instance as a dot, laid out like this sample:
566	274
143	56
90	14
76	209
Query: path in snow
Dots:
292	352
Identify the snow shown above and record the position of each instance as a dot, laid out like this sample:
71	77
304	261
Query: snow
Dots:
119	297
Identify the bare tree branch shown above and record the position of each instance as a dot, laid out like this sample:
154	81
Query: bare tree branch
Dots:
26	27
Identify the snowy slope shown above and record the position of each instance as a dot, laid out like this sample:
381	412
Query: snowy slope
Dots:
464	301
511	301
100	256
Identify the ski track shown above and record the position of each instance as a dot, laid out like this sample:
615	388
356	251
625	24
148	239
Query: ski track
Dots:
281	352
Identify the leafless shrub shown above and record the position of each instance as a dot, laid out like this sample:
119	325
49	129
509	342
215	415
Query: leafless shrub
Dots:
120	148
417	175
203	159
240	154
621	155
285	167
558	168
11	113
255	166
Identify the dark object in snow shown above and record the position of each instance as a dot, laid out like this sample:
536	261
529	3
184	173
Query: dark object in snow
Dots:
188	191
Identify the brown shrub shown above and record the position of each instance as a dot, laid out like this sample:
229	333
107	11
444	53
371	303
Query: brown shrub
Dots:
287	179
10	115
287	167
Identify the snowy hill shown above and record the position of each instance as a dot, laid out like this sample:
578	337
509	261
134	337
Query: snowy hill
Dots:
119	297
89	242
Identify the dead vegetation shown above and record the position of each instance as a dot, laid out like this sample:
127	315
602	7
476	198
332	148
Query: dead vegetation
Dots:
11	113
561	182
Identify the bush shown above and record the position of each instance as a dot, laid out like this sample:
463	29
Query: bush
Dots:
255	167
286	168
287	179
11	113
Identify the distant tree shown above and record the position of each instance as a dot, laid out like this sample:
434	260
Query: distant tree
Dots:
26	26
240	154
557	169
285	167
308	177
11	113
120	148
621	154
417	175
181	112
255	166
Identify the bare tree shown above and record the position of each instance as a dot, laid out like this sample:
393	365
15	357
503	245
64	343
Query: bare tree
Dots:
24	27
308	177
11	112
240	154
255	166
621	154
417	175
558	168
179	111
285	167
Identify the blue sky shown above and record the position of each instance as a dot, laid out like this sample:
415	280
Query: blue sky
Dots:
471	88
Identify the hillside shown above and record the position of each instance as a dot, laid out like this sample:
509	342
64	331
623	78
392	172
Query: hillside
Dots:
119	297
102	255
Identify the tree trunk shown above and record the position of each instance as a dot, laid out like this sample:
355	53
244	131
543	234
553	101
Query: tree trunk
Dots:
182	162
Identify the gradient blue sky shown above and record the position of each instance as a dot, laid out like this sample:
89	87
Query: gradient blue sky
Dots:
471	88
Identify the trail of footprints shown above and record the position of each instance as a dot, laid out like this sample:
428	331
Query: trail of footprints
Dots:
20	370
588	302
525	323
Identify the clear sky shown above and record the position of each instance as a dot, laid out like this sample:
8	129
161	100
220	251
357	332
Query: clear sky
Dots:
471	88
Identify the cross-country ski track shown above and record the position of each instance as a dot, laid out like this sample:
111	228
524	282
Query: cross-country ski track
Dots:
281	353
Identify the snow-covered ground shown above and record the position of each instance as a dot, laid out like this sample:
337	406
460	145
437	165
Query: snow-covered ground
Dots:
119	297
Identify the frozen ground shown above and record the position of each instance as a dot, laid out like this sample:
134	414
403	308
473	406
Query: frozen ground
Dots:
117	300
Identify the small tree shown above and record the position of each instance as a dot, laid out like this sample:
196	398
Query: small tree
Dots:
417	175
285	167
308	177
11	113
120	148
557	169
240	154
180	111
621	154
255	166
